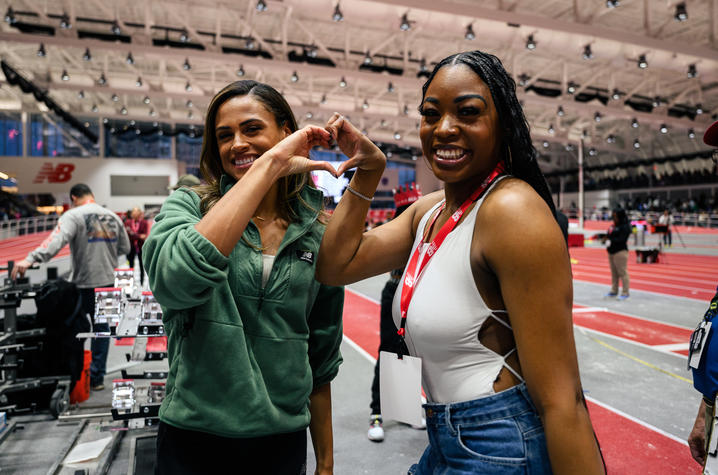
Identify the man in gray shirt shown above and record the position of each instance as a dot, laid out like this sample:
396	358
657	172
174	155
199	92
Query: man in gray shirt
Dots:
96	237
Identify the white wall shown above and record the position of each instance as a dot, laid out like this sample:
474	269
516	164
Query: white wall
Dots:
57	175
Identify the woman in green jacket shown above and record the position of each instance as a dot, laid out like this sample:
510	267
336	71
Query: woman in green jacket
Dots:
253	338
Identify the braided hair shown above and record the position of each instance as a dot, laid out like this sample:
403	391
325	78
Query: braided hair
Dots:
519	154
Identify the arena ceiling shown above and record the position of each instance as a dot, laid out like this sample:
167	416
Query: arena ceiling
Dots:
586	69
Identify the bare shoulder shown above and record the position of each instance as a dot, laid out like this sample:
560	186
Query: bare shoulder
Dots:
513	214
423	205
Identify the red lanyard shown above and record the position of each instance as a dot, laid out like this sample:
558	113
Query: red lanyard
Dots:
412	275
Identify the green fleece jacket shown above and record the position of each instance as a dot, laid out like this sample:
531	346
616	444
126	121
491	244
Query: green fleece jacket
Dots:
242	359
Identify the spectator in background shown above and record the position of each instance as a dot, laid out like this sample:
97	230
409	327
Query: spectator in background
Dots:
617	237
137	229
667	220
96	237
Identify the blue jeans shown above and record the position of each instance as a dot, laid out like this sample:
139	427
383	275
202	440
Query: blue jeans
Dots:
500	433
99	346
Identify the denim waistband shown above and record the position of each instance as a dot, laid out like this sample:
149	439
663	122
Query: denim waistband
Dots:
508	403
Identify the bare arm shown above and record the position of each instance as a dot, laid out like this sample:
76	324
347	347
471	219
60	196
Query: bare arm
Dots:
523	246
697	437
224	224
320	407
347	253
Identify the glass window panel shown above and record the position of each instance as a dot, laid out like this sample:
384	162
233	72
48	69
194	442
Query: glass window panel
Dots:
50	136
130	139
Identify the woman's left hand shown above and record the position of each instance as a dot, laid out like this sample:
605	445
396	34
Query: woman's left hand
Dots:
362	152
291	155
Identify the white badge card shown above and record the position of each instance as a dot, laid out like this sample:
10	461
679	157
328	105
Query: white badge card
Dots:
697	346
400	388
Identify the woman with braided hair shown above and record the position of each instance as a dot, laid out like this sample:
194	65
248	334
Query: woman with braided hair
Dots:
486	296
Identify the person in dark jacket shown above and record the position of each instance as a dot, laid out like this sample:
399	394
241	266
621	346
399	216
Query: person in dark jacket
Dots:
617	237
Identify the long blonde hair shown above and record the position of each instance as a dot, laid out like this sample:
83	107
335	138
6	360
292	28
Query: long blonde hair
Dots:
210	164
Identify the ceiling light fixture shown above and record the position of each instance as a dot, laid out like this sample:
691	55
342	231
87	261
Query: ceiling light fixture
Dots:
530	43
551	130
130	59
338	15
611	138
123	111
188	87
240	71
65	76
311	51
249	43
469	35
87	56
81	94
323	100
523	79
636	144
405	23
560	112
390	87
189	104
699	109
612	3
365	104
692	71
587	52
691	134
41	51
342	82
616	94
545	144
261	6
309	115
186	66
664	129
146	99
397	135
295	77
634	123
102	80
656	101
95	108
115	98
571	87
138	83
642	63
65	21
115	28
681	12
367	58
184	35
10	16
592	152
597	117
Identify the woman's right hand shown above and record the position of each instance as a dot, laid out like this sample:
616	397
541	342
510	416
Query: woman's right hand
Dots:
291	155
362	152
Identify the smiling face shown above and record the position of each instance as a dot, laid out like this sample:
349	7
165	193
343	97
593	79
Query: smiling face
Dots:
244	130
459	126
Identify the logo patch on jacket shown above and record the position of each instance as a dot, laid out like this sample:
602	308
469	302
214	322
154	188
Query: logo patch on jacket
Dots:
306	256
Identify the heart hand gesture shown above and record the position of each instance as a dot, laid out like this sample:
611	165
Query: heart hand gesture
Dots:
362	152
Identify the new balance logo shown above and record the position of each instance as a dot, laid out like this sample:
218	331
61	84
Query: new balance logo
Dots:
61	173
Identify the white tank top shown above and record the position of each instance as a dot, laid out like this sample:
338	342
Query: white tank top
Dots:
444	317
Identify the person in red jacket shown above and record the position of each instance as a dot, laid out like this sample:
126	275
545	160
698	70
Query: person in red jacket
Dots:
137	229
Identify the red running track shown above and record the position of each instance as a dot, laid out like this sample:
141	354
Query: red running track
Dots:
17	248
682	275
628	446
595	225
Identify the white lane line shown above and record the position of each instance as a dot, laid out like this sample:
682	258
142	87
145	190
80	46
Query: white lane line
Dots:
364	296
359	349
633	342
637	317
637	421
672	346
590	310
